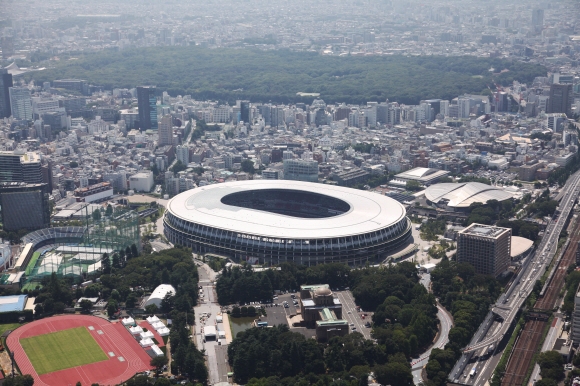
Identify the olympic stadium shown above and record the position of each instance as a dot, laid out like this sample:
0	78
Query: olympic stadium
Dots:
273	221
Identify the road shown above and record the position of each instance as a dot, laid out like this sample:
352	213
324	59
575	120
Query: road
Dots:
215	357
445	324
508	305
353	317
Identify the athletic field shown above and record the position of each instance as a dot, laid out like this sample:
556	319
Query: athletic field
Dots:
62	350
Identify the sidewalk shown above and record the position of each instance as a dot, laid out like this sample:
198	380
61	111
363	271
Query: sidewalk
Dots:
227	327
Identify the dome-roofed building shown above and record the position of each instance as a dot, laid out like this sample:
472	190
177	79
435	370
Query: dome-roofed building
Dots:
457	196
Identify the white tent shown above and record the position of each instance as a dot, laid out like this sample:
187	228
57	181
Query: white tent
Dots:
128	321
152	319
136	330
163	331
146	335
146	342
156	350
159	294
209	332
158	325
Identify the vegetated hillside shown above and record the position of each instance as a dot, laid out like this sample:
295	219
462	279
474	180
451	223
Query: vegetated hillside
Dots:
262	76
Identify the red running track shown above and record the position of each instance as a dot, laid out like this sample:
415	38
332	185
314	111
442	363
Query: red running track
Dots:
114	338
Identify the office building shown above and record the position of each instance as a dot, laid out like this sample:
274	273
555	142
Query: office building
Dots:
18	166
147	103
20	103
245	113
270	174
165	131
142	181
301	170
5	85
78	85
560	100
487	248
24	206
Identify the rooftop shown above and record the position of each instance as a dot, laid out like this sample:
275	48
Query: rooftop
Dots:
482	230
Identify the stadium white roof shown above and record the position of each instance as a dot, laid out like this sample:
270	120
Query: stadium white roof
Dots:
423	175
368	212
464	194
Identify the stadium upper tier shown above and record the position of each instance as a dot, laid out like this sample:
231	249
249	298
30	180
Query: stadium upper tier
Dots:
277	220
464	194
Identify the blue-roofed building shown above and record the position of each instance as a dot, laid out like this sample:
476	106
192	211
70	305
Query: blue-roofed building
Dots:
12	303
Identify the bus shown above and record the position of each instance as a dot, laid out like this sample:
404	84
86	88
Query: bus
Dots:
472	372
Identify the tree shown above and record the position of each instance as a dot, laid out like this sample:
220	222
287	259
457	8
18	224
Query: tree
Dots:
106	263
73	164
413	186
248	166
167	302
159	362
86	305
551	365
151	309
131	300
128	253
134	250
97	215
19	380
178	167
394	374
112	307
109	210
116	261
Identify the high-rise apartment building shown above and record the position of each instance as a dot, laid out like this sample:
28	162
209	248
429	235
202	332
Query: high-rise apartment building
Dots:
165	131
560	100
487	248
147	103
182	154
20	103
5	84
17	166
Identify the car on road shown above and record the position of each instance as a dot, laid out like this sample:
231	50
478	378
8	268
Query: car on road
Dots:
352	324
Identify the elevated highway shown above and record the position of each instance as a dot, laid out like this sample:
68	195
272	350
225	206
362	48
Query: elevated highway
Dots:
512	300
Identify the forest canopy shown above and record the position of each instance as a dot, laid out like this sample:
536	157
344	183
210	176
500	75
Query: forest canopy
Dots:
262	76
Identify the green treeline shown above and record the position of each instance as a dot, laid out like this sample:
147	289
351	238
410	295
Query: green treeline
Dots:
467	296
404	323
276	76
278	357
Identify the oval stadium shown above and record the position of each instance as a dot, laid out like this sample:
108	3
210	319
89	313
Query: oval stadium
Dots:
273	221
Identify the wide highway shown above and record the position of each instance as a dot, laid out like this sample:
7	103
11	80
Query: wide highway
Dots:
533	267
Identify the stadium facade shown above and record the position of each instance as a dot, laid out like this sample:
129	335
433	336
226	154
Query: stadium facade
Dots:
273	221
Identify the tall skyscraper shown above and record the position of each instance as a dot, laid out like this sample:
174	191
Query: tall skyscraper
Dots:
165	131
560	100
487	248
537	20
147	102
20	103
17	166
245	111
5	84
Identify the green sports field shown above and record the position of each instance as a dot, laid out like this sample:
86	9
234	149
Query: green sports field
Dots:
62	350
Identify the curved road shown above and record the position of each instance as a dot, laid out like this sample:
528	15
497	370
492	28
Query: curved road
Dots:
445	324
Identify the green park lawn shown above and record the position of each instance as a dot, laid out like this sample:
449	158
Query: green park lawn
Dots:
62	350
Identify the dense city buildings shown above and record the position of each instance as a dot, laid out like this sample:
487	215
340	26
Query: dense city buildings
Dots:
486	248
